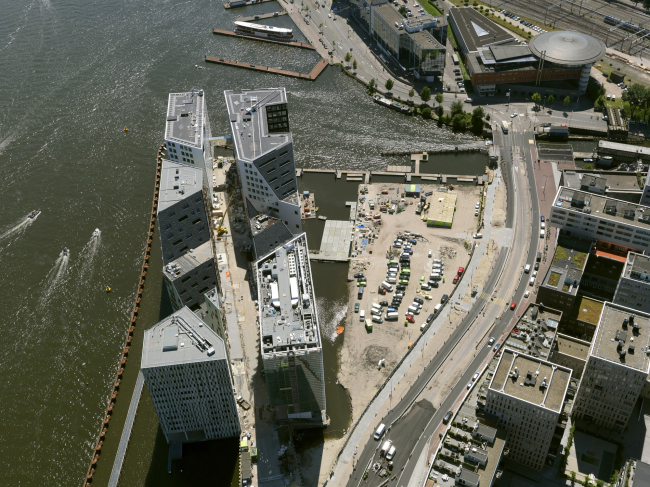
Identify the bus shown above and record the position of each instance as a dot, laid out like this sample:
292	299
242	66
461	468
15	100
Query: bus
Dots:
455	58
504	126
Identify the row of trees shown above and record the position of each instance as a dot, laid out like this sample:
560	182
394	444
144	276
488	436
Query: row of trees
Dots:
537	98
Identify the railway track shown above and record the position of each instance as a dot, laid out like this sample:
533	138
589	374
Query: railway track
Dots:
588	22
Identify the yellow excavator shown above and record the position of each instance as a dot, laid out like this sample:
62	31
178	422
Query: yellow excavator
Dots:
221	230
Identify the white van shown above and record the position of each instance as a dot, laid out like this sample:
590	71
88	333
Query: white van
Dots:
437	309
379	432
375	312
414	309
387	287
377	319
377	306
385	447
437	261
362	315
423	327
391	453
391	280
436	266
435	276
541	234
543	225
527	268
392	316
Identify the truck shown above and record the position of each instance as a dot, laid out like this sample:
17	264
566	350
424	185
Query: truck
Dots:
243	403
505	127
455	59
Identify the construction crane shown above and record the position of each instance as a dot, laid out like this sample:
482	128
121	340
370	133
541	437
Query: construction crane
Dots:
220	229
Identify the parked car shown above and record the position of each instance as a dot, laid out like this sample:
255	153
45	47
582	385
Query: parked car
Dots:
356	307
491	340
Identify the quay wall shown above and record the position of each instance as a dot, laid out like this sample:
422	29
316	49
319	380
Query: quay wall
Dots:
127	344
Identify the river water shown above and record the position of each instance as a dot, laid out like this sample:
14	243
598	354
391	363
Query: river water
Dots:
73	74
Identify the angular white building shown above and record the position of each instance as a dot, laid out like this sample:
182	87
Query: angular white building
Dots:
187	373
616	369
633	290
263	145
290	339
527	395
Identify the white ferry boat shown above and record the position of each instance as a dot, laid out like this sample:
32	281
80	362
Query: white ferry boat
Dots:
267	31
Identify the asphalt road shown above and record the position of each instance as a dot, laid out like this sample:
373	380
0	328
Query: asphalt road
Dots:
413	440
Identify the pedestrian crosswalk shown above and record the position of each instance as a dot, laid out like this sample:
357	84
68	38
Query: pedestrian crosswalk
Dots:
497	301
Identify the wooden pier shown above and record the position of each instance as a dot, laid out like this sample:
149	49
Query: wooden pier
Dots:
455	150
244	4
318	69
253	18
365	176
301	45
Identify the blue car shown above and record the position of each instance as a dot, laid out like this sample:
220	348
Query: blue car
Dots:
543	219
408	251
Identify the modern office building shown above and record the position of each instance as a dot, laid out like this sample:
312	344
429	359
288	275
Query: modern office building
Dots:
190	276
613	224
263	146
581	321
560	284
290	339
187	135
186	369
494	57
633	289
268	233
621	185
571	353
527	394
616	369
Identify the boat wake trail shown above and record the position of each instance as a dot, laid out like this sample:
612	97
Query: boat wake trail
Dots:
330	315
18	229
87	258
55	276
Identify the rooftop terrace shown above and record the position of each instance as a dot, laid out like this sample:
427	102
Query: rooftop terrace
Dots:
532	380
288	319
622	337
259	121
637	267
185	118
535	331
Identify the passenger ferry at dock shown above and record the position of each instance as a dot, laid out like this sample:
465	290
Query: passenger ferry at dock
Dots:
266	31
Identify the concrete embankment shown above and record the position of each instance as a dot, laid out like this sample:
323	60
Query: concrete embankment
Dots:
134	317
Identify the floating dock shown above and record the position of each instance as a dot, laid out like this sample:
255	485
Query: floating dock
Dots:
335	245
366	175
243	3
301	45
455	150
401	169
318	69
253	18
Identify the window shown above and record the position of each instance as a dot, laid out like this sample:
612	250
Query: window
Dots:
182	218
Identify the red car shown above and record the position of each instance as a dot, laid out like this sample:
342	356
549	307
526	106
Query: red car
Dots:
513	305
456	279
460	271
410	318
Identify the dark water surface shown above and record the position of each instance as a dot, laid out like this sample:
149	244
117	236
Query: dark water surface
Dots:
73	74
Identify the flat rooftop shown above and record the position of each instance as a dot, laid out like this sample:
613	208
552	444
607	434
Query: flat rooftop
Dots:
593	181
589	310
443	206
180	339
185	118
188	261
637	267
268	233
177	182
426	40
603	207
569	345
614	327
288	319
390	13
477	30
526	382
535	331
259	121
613	181
618	146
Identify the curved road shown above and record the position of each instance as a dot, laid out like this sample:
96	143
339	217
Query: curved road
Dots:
414	425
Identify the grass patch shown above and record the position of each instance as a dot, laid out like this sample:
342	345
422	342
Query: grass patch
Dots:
565	288
431	9
589	310
618	103
560	254
579	259
553	279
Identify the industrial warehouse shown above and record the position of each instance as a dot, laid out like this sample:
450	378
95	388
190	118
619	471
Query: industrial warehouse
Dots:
558	59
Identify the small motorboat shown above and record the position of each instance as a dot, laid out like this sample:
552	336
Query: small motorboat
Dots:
97	233
65	252
198	67
34	214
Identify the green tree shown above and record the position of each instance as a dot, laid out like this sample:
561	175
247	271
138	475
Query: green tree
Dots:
425	94
550	99
402	10
389	84
426	113
371	86
320	27
600	483
566	102
456	108
348	56
478	116
354	64
440	111
439	98
627	109
487	117
573	476
537	98
411	93
458	121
